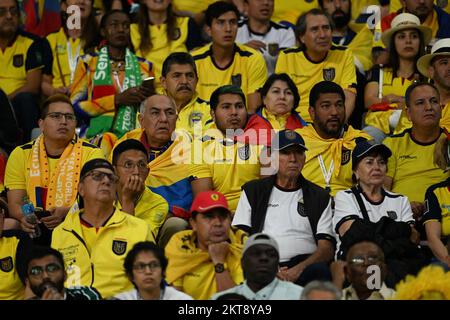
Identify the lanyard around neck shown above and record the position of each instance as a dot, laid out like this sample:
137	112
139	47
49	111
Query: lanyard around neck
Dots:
72	58
326	174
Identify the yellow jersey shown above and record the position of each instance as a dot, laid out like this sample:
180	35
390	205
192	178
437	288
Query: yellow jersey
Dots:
187	37
17	168
290	11
196	113
437	206
338	66
152	208
247	71
22	56
99	263
411	166
320	163
64	53
228	163
191	268
12	245
196	6
391	85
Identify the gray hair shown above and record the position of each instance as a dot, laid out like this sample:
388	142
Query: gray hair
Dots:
320	286
143	103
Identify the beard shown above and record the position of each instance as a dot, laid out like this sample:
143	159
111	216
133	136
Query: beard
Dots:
441	82
40	289
330	131
341	20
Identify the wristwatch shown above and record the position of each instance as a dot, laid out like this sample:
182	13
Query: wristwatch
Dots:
220	267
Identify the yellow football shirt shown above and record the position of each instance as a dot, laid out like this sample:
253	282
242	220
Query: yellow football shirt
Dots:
152	208
229	164
161	47
16	176
411	166
11	287
22	56
247	70
391	85
437	206
338	66
290	10
60	68
313	171
196	6
195	113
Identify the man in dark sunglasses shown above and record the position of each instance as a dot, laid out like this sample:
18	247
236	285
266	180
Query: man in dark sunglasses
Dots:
95	239
43	272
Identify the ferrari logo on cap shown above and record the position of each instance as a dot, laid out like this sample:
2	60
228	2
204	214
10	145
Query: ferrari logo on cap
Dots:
215	197
6	264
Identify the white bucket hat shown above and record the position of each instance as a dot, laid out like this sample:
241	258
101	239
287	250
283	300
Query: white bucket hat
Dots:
440	48
406	21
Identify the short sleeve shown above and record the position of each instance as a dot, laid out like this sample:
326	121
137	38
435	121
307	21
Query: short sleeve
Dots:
392	162
242	215
47	57
288	39
345	209
35	56
348	80
257	72
15	170
432	208
406	214
325	225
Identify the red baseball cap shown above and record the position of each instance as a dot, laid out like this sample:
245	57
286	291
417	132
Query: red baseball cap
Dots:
208	200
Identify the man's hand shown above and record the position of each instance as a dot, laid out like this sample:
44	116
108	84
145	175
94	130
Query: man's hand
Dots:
290	274
256	44
26	226
338	273
218	251
134	186
52	294
57	216
130	97
417	208
415	236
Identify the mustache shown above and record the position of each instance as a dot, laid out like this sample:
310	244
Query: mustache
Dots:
184	87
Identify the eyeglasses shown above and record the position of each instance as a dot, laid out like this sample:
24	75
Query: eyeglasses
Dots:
14	11
129	165
141	267
36	271
360	261
70	117
100	175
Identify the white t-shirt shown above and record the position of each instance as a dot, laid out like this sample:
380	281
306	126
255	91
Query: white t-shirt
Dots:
392	205
291	230
170	293
277	38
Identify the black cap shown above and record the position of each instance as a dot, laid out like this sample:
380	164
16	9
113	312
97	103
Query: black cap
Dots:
287	138
364	147
95	164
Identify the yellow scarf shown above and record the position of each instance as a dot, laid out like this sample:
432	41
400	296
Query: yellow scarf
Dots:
277	122
317	145
185	256
62	184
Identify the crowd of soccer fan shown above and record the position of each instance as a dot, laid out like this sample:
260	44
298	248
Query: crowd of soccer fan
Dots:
237	149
